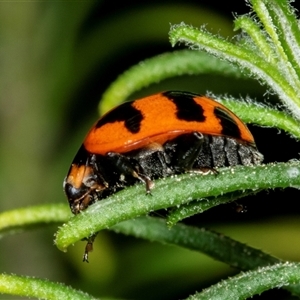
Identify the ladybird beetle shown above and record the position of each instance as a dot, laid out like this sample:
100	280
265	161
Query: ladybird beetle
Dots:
154	137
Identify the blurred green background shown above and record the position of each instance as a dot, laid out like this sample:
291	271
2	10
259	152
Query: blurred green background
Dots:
56	59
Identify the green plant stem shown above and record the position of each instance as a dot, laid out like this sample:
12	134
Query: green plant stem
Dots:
213	244
39	288
246	285
19	219
258	36
277	18
158	68
247	58
170	192
192	208
262	115
155	229
223	49
285	20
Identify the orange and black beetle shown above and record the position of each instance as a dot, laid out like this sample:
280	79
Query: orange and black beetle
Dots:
157	136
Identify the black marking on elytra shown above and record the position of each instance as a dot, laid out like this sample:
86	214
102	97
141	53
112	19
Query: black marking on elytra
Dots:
81	157
187	108
229	126
131	117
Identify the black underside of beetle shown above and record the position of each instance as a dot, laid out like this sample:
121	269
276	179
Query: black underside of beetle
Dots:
193	151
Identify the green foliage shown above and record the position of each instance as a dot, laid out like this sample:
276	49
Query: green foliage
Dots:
266	50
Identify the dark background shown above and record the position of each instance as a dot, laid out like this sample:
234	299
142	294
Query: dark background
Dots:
57	59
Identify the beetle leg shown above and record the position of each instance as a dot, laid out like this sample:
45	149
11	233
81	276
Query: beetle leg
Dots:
188	149
127	167
186	156
89	247
153	160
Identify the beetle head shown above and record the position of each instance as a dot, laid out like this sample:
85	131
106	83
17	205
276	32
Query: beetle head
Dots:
81	187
